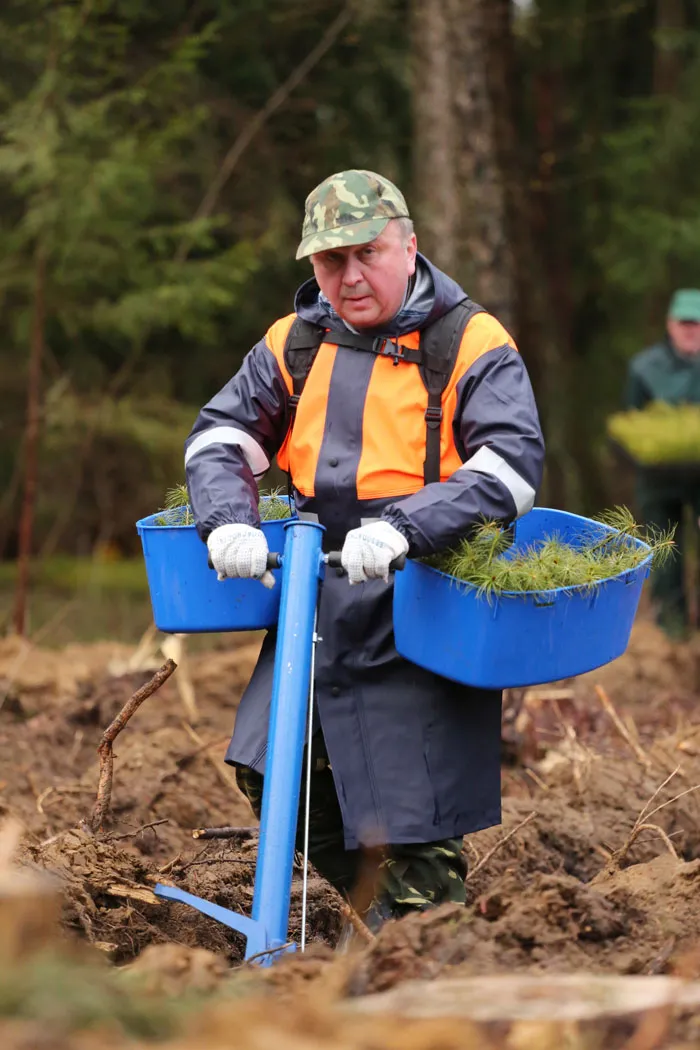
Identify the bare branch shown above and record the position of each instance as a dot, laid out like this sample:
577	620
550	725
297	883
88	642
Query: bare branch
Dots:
104	787
256	123
621	727
506	838
356	922
224	833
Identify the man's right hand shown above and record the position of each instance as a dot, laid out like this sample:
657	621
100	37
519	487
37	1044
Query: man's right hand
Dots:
240	552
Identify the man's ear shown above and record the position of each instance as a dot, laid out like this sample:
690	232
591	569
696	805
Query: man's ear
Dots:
411	249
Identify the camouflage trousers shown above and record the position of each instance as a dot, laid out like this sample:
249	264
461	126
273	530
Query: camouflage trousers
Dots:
394	880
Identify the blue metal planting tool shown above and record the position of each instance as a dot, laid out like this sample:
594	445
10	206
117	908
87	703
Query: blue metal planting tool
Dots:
266	930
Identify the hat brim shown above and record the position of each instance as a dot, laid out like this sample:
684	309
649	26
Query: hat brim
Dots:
342	236
690	313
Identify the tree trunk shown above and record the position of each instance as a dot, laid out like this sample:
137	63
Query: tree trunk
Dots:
539	314
437	210
31	442
670	19
485	257
459	188
478	216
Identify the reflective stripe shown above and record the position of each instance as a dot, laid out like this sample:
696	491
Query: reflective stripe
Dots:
486	461
307	515
255	455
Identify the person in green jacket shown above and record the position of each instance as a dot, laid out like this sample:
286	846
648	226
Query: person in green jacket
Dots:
669	371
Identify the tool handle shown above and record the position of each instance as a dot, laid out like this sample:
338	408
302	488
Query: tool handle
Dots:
333	561
274	561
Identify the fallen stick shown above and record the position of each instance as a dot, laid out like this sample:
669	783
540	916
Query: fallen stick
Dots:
621	727
357	924
173	647
219	859
223	772
662	835
675	798
187	756
620	855
224	833
144	827
506	838
136	893
104	787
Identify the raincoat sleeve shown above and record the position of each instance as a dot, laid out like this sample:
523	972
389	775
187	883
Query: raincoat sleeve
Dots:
497	431
233	440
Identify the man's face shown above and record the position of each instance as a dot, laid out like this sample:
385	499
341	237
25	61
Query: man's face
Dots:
685	336
366	283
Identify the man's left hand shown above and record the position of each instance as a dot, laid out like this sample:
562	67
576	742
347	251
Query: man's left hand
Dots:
369	551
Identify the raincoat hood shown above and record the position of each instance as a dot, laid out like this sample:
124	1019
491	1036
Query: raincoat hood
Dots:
430	295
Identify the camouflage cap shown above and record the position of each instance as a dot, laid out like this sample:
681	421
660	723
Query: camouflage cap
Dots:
350	207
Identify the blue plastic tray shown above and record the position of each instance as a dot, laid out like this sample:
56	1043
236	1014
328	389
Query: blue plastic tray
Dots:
516	640
186	596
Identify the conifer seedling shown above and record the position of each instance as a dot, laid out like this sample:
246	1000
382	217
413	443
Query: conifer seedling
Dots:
488	561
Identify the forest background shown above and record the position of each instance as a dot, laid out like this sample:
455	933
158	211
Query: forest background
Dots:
154	160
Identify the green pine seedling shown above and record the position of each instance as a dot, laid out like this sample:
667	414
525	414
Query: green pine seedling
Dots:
177	510
482	559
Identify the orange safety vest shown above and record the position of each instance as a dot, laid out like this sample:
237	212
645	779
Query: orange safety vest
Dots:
393	427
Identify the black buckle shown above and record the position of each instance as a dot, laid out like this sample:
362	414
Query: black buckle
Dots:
293	401
385	348
433	414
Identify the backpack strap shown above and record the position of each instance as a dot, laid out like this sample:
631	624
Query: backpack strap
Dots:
439	347
382	346
435	357
300	349
305	337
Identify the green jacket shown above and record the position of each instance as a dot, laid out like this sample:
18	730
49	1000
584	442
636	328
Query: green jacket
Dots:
660	373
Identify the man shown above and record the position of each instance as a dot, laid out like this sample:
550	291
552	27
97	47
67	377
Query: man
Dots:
669	371
404	762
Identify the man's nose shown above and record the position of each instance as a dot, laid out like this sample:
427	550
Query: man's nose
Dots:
352	274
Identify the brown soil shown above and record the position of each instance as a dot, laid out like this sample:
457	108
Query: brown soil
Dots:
574	889
52	720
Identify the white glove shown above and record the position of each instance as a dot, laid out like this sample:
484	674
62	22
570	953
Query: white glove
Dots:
240	552
369	551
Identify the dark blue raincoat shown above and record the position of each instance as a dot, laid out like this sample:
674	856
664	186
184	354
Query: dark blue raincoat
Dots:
415	757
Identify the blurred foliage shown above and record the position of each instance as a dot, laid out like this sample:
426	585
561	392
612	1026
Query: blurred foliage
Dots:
115	118
104	463
612	156
101	573
69	989
659	433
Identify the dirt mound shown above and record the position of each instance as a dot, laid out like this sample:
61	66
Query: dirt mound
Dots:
587	882
643	919
169	779
665	891
109	900
654	685
598	870
556	922
164	765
